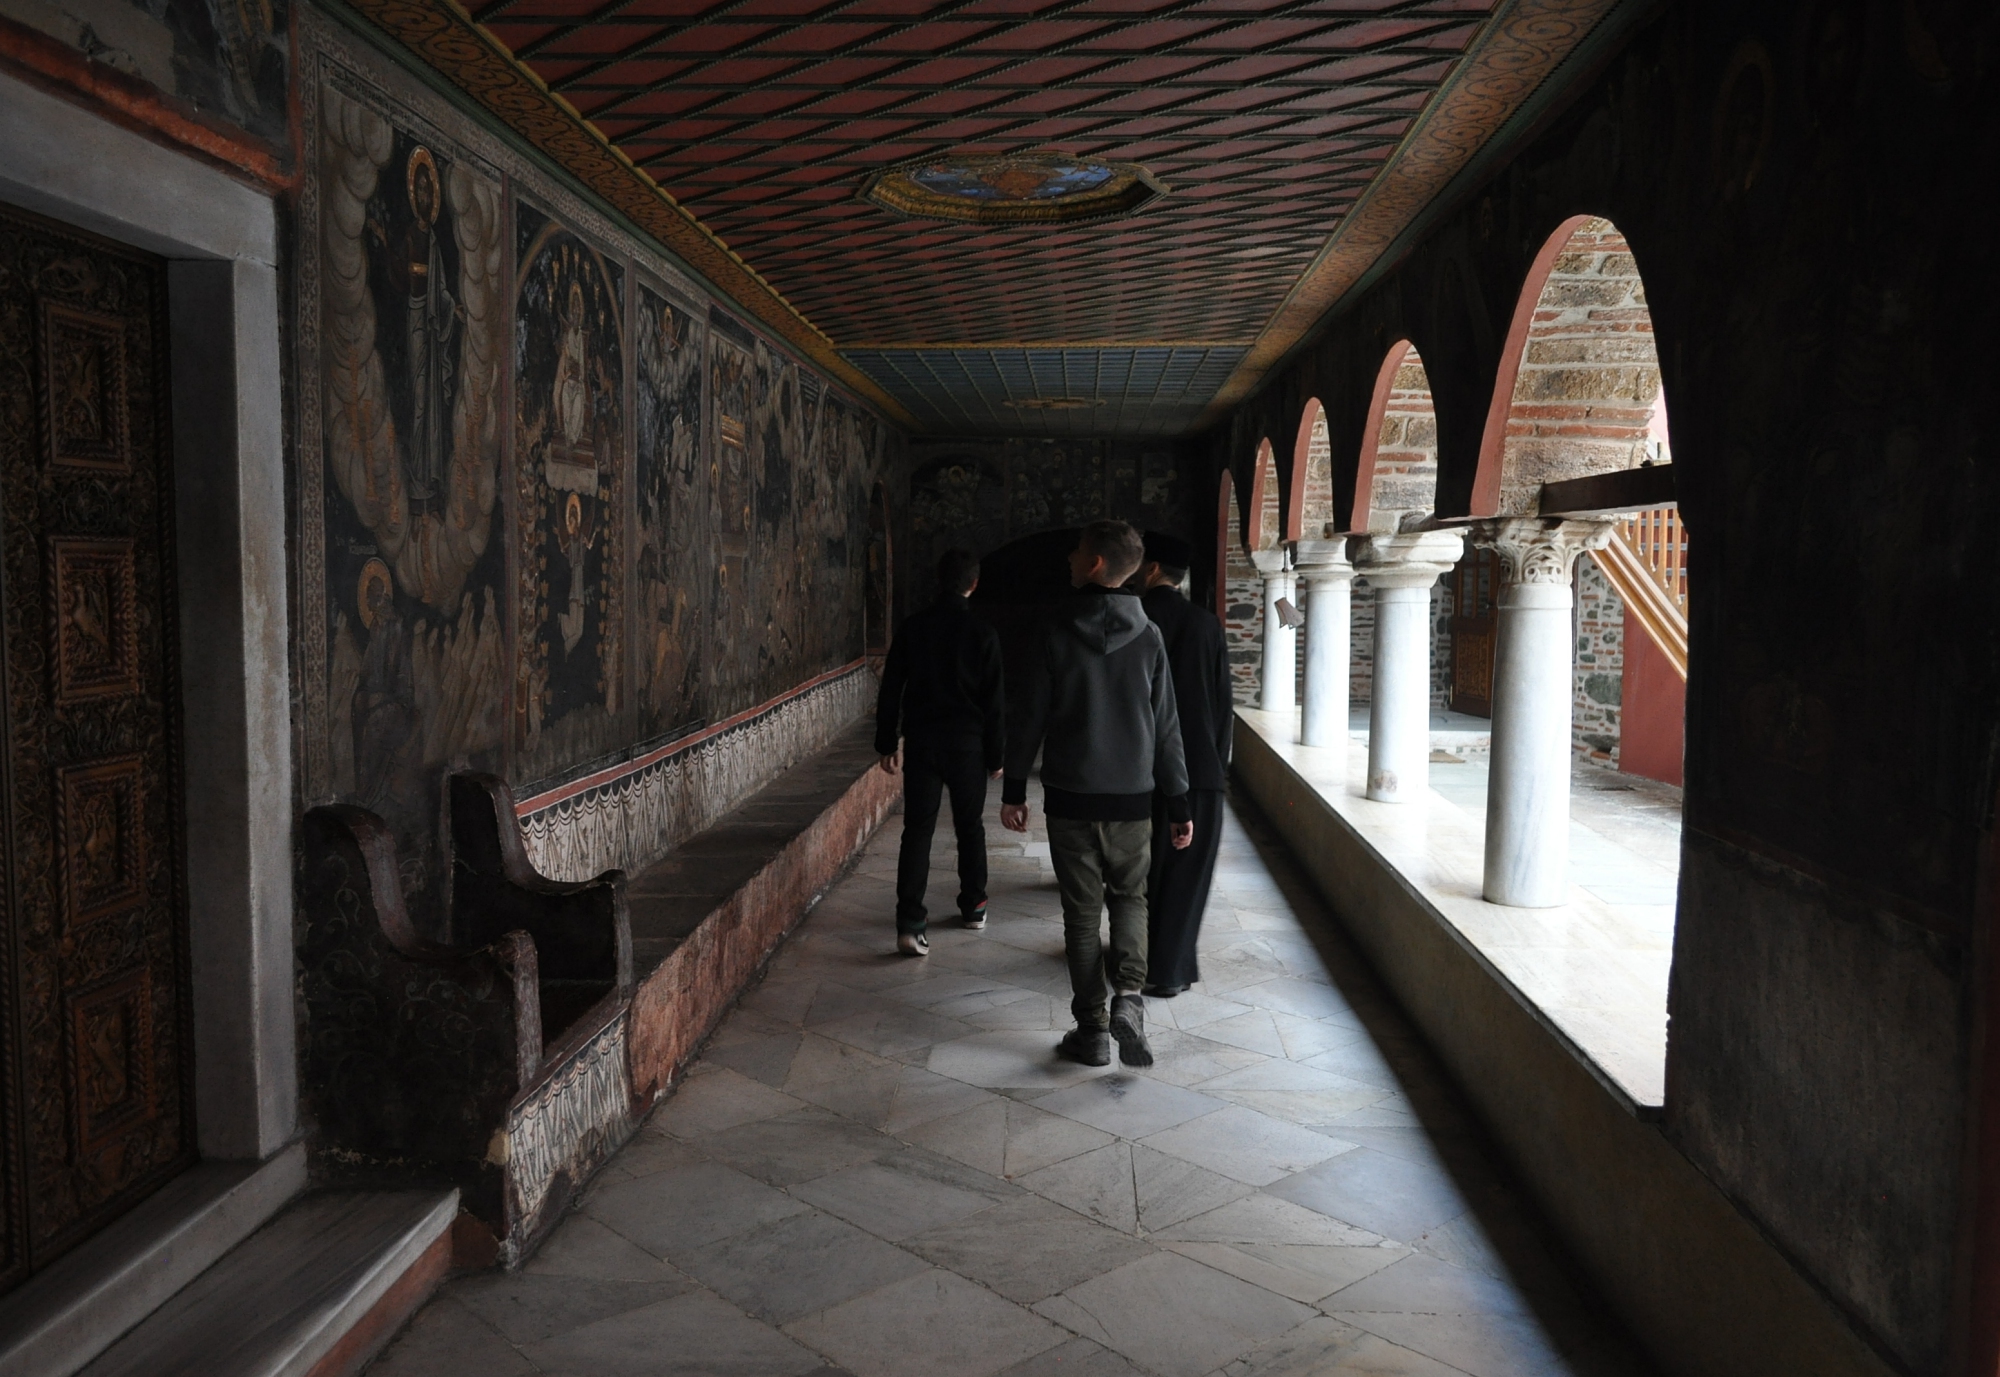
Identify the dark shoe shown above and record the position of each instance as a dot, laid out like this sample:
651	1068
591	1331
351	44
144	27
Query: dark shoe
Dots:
1128	1025
913	944
975	919
1164	991
1091	1046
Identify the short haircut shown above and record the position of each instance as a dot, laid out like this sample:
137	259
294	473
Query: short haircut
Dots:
958	570
1117	544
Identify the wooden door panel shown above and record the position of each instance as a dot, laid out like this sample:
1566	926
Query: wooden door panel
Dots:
96	1090
1475	629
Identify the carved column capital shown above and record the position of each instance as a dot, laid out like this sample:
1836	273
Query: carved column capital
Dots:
1324	562
1538	549
1269	562
1409	559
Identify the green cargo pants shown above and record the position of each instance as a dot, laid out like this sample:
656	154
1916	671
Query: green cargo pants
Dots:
1100	864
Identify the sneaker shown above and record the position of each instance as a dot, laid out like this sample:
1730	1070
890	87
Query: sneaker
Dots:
1091	1046
1128	1025
976	919
913	944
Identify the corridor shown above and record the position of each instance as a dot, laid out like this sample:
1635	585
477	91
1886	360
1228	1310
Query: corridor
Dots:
878	1168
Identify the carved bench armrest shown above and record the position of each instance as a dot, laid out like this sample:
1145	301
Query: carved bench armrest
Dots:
413	1046
583	930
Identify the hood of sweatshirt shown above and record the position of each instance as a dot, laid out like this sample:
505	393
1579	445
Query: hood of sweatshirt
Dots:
1105	619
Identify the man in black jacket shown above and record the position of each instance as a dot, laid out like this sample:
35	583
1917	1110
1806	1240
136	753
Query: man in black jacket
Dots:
1098	705
1177	888
942	686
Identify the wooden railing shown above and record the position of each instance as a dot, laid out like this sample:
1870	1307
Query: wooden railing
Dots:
1646	562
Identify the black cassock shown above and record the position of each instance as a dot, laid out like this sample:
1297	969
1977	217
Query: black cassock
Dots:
1177	890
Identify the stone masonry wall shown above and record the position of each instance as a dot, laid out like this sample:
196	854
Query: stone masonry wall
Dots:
1589	377
1600	664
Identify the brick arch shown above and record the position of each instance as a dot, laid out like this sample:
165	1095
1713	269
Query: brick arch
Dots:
1578	387
1265	527
1311	507
1397	473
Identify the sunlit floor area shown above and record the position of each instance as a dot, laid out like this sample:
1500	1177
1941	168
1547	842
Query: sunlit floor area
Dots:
879	1168
1597	967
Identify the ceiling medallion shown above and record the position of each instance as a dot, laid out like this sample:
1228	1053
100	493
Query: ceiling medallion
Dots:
1013	189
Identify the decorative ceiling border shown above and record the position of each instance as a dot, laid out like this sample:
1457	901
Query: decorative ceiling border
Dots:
1521	45
443	36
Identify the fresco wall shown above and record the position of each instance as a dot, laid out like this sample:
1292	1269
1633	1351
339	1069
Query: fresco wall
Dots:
984	495
557	508
227	62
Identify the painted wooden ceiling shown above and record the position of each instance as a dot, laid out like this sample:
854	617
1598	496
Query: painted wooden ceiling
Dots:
1286	131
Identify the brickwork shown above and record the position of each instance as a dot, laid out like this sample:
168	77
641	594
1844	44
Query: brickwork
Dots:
1243	603
1405	477
1270	530
1589	378
1317	508
1600	664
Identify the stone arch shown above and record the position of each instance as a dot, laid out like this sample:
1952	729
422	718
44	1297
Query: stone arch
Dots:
1238	591
1397	475
1266	519
1312	514
1579	381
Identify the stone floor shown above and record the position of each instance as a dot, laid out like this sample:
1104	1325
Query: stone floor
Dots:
878	1168
1597	966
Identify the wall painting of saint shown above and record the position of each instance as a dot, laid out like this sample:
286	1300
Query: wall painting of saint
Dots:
569	449
413	334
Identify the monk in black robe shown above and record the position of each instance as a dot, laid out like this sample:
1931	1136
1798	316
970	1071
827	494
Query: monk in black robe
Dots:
1177	890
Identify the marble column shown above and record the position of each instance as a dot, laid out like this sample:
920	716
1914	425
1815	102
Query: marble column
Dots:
1327	580
1527	791
1401	569
1281	642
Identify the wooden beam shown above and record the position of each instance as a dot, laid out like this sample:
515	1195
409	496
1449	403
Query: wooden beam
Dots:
1602	494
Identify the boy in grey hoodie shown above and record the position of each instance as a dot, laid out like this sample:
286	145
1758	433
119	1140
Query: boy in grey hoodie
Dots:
1099	706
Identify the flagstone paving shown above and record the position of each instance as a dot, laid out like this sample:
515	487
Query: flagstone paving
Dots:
879	1168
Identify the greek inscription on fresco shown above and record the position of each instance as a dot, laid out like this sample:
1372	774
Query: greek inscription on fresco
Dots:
569	420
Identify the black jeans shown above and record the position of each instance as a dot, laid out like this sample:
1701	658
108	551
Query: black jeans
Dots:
928	771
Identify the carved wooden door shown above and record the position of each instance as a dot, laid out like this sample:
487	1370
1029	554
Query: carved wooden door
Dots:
95	1085
1475	628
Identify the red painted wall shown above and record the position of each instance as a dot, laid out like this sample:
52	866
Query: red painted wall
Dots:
1653	709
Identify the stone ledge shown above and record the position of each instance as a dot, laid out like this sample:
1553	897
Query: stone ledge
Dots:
1700	1284
69	1314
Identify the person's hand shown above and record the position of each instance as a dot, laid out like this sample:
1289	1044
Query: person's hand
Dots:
1183	835
1014	817
892	764
995	774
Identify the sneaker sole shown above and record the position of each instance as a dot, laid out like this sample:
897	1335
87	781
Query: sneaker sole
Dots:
1132	1048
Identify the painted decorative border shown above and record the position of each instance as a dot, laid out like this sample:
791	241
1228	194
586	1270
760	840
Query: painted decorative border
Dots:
569	1124
628	816
1521	45
445	37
